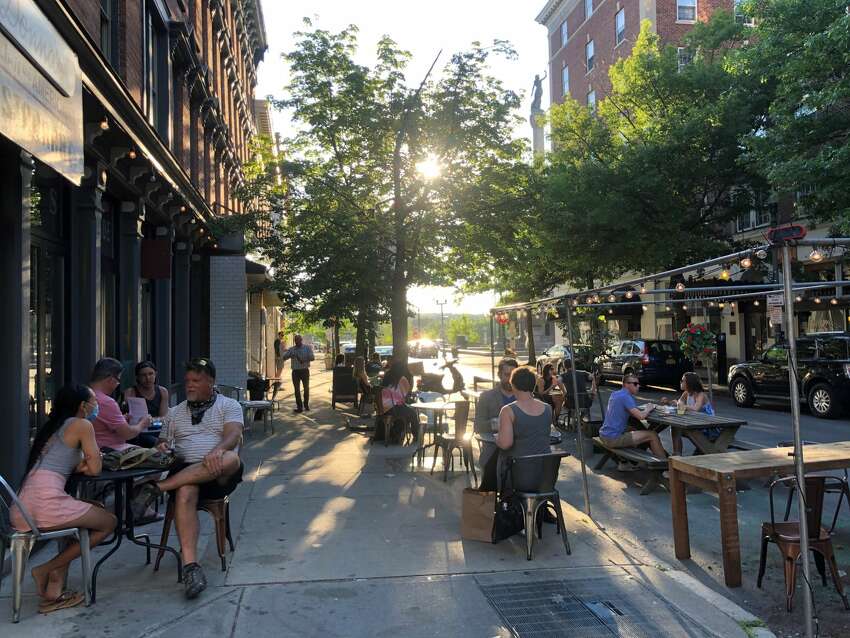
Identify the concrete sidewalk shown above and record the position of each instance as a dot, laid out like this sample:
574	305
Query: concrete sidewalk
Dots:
335	537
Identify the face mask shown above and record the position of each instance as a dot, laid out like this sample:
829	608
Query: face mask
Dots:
94	413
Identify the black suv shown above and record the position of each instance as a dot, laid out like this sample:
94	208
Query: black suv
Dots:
823	370
654	361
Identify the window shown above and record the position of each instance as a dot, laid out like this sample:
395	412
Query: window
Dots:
156	70
565	33
625	347
832	349
588	8
591	100
588	55
109	31
686	10
740	15
683	57
777	355
805	349
620	26
565	80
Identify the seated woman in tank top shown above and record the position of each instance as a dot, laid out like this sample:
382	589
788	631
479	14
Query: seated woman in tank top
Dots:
64	444
524	427
154	395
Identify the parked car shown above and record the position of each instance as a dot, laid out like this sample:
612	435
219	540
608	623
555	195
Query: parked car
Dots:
654	361
347	347
384	351
423	348
556	355
823	370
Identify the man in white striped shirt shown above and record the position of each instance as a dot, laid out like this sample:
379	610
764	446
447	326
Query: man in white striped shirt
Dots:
205	430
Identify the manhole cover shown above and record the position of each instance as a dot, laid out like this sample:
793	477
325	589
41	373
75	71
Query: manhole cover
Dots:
588	608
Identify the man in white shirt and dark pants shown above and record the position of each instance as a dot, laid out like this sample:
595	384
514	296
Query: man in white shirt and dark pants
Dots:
301	355
205	431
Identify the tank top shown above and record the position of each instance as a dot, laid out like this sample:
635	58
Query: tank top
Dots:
153	404
57	455
531	436
707	409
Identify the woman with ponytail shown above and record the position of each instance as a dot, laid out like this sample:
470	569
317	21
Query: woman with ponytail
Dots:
64	444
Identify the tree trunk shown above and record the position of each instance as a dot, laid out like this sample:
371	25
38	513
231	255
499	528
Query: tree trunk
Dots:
398	309
362	329
335	332
529	328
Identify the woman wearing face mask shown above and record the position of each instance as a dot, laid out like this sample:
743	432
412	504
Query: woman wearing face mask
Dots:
64	444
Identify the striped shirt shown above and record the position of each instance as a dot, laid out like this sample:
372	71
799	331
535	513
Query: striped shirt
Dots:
193	442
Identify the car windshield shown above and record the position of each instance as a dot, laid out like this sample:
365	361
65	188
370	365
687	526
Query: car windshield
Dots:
832	349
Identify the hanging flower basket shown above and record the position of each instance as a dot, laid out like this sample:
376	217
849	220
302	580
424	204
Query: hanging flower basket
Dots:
697	342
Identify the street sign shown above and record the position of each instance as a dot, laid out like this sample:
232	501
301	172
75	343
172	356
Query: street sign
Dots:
775	304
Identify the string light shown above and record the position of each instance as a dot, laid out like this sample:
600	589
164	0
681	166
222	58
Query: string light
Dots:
817	299
680	287
833	301
642	289
711	304
612	298
721	305
104	124
610	311
629	294
667	308
798	299
816	255
684	307
724	275
756	303
644	308
761	253
132	154
575	302
182	209
746	262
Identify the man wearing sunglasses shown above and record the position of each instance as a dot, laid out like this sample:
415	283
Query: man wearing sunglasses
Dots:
615	428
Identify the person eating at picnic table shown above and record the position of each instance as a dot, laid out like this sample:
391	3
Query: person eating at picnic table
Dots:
155	396
615	431
111	427
491	402
693	399
524	426
65	444
206	430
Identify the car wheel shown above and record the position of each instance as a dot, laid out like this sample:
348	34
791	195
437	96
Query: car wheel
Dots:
742	393
823	401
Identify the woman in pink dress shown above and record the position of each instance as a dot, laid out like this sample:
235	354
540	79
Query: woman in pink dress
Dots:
64	444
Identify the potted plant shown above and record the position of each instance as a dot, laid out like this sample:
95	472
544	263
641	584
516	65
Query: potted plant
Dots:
699	343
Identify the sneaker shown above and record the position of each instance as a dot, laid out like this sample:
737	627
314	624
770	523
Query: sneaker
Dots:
625	466
298	410
194	581
306	408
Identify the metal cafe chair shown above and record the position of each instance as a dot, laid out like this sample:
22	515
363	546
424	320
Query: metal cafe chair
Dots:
21	544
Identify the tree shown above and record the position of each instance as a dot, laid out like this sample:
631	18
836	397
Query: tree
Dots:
653	176
801	54
360	202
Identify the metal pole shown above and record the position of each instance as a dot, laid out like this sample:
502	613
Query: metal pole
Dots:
492	352
798	445
579	428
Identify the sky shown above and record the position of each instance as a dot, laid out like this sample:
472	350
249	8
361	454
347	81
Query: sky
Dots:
423	29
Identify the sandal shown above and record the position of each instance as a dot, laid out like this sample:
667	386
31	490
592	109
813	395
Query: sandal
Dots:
65	600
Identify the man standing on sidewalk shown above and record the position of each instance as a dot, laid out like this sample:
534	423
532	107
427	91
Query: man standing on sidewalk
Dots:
301	355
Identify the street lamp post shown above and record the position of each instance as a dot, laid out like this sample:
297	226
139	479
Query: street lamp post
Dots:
442	303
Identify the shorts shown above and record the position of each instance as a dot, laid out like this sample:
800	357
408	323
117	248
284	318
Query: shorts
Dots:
214	490
626	439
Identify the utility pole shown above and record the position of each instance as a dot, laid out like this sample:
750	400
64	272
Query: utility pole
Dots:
442	320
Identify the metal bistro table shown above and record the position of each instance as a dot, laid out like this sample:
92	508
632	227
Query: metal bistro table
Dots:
439	408
122	481
720	473
690	425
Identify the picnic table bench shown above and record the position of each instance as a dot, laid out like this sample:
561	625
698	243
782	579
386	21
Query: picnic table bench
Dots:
642	458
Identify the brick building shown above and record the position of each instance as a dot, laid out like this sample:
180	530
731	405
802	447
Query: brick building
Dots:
123	129
587	36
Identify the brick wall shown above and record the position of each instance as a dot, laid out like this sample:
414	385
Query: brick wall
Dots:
672	31
228	318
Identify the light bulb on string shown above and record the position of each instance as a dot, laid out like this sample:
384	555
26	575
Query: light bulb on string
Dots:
721	305
644	308
680	287
575	302
684	307
756	302
817	300
132	154
746	262
798	299
612	298
724	274
104	124
761	253
667	308
610	311
642	289
711	304
833	301
816	255
629	294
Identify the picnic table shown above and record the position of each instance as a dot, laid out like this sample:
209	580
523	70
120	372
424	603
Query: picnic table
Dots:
691	426
720	473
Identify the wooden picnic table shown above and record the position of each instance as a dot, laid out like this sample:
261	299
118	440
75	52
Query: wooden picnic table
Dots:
692	424
720	473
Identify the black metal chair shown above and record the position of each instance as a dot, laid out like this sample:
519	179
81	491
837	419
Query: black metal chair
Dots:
460	439
343	386
786	534
544	467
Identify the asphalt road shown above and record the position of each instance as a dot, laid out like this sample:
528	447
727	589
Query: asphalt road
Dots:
766	424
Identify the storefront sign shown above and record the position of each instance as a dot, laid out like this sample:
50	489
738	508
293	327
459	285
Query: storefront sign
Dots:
41	98
775	304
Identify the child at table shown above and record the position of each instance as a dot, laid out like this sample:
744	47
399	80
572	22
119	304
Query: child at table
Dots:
694	399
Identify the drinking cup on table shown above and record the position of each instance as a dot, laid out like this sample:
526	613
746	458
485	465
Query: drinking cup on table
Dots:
680	408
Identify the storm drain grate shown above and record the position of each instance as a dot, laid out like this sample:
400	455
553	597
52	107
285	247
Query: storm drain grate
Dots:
588	608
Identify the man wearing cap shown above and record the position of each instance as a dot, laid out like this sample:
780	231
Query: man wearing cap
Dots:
205	431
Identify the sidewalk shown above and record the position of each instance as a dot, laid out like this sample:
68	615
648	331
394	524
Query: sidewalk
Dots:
335	537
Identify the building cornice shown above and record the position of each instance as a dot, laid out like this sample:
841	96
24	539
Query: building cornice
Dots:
551	7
